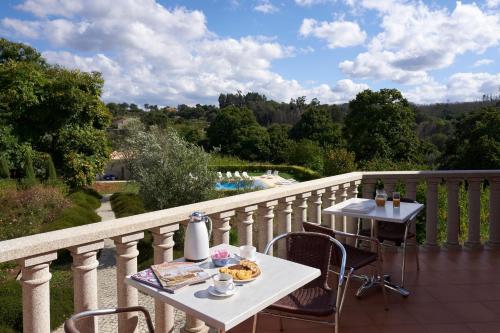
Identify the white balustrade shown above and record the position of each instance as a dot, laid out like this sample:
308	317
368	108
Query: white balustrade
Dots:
292	204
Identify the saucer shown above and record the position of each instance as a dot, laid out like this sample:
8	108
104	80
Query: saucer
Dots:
212	291
254	258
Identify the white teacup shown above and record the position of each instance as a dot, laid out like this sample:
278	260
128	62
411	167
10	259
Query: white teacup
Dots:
223	282
248	252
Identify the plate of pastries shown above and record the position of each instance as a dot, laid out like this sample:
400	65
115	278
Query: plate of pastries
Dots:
244	271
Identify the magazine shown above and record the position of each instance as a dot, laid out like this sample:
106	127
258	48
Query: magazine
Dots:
174	275
359	207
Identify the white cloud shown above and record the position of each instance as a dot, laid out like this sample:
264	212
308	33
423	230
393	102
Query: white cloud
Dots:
336	34
308	3
150	54
459	87
416	39
493	3
483	62
266	7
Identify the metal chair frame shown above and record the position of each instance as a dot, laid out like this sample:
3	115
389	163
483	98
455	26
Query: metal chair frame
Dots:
70	324
340	286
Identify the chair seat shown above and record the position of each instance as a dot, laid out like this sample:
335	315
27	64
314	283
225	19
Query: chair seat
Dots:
307	301
357	258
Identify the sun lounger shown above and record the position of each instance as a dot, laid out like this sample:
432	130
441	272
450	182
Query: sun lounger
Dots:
245	175
229	175
275	173
237	174
219	175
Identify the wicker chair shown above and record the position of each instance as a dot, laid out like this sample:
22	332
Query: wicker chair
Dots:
316	301
397	233
70	324
356	258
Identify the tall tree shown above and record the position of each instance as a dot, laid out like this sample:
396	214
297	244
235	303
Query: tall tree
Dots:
56	111
236	131
381	125
476	141
316	124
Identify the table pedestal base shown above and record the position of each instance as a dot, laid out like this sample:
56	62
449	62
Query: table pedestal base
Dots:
375	281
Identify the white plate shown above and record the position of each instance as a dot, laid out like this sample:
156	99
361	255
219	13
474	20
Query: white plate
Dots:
212	291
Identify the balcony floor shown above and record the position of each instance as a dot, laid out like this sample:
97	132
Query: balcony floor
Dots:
454	291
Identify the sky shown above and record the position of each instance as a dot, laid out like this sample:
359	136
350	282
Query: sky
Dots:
172	52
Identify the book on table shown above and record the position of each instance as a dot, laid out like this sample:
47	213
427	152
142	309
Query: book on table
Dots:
172	276
359	207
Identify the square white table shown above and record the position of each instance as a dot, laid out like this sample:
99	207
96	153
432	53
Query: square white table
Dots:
403	214
279	277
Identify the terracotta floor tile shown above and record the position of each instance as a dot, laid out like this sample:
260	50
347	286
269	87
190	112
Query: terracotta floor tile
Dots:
485	327
432	313
472	312
493	306
451	328
395	315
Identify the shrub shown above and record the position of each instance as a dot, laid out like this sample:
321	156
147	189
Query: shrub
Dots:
4	167
306	153
170	171
29	173
24	212
338	161
51	170
126	204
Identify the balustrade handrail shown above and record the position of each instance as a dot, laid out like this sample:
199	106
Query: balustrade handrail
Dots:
432	173
37	244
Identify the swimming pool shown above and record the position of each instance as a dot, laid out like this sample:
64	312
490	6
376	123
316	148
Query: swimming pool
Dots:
240	185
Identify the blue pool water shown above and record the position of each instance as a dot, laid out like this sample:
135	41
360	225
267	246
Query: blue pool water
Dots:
239	185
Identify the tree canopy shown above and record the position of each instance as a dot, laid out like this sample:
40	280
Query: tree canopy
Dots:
381	125
236	131
53	110
476	141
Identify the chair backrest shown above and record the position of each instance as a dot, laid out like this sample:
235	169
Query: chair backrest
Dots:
314	250
336	257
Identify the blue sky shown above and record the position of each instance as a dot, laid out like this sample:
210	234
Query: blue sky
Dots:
171	52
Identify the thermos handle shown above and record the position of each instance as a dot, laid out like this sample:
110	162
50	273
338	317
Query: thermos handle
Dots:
208	221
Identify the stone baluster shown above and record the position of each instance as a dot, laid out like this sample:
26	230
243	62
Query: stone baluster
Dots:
494	239
431	225
411	193
85	282
222	227
300	211
126	264
474	205
329	200
163	244
341	197
453	221
244	216
314	206
285	211
389	186
351	223
266	225
411	188
35	277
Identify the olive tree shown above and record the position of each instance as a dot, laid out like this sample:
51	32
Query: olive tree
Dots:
169	170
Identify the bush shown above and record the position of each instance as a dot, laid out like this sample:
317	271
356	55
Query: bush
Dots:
126	204
61	302
170	172
306	153
338	161
24	212
4	167
29	173
51	175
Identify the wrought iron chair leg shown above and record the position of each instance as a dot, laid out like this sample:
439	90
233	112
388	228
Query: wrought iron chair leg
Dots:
345	289
404	256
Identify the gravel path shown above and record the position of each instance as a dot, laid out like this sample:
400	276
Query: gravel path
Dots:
106	277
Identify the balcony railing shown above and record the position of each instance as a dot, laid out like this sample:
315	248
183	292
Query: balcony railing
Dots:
291	205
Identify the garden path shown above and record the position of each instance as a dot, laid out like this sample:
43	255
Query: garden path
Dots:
106	277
